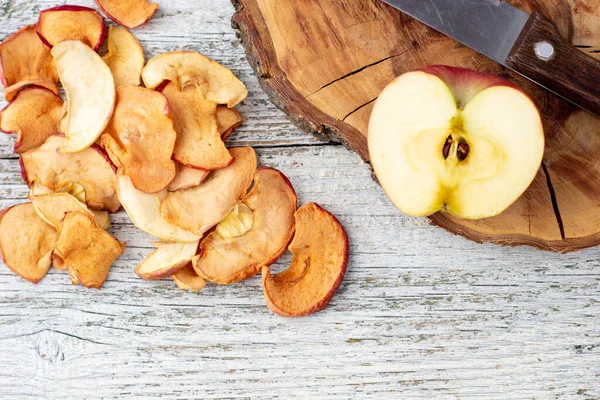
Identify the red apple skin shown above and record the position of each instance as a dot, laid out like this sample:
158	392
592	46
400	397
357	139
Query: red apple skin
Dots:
323	303
466	83
71	8
104	154
23	171
229	131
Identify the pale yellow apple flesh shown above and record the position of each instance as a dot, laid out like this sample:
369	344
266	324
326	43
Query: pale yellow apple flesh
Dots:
144	211
430	155
90	93
125	56
166	260
52	208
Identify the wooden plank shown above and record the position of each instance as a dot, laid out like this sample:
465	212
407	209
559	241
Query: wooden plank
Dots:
421	313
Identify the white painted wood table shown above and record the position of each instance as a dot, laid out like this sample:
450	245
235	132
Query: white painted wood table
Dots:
421	313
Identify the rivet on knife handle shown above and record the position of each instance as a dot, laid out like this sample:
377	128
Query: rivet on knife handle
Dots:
542	55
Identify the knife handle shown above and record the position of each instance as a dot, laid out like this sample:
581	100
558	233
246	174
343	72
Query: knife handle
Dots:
542	55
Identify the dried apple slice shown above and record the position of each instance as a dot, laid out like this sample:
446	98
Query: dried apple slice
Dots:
26	242
33	115
52	208
26	60
167	259
140	138
187	279
198	144
255	234
62	23
86	250
187	178
200	208
320	249
125	56
129	13
90	169
144	211
189	68
228	120
90	93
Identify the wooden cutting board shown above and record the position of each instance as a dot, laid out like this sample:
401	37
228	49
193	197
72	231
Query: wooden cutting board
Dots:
325	62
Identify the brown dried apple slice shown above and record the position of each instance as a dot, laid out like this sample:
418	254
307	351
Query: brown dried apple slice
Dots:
129	13
320	249
33	115
62	23
189	68
200	208
125	56
52	208
228	120
187	279
187	178
26	60
167	259
90	93
86	250
26	242
144	211
140	138
91	169
198	144
239	250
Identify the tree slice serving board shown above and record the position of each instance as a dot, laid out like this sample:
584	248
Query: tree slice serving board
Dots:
325	62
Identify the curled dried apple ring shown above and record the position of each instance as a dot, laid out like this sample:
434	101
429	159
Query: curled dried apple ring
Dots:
320	249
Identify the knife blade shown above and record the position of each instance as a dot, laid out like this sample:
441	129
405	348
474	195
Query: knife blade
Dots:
528	44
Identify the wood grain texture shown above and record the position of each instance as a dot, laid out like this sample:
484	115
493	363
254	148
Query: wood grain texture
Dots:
325	62
569	72
422	314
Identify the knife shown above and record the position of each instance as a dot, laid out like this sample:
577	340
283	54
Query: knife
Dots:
528	44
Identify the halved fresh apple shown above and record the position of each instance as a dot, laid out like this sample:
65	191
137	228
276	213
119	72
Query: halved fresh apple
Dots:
33	115
253	235
166	260
188	68
125	56
129	13
140	138
86	250
90	93
455	140
66	22
52	208
89	169
25	60
144	211
200	208
187	178
228	120
320	249
26	242
187	279
198	144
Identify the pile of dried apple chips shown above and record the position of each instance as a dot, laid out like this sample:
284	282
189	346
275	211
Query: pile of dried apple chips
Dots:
150	138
